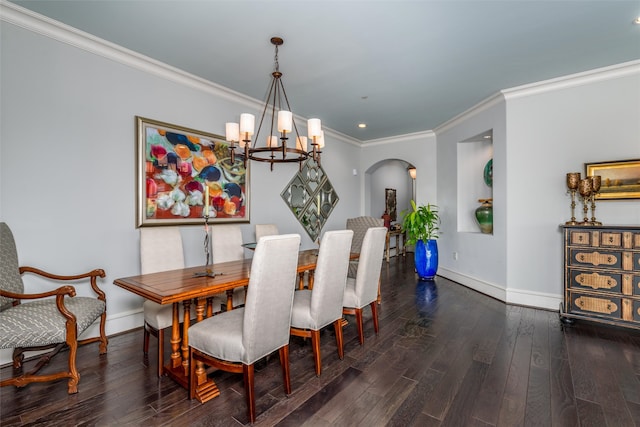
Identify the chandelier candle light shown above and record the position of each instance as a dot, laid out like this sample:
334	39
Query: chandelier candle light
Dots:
282	121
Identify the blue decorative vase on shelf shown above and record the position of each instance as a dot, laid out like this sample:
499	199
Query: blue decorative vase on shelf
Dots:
426	259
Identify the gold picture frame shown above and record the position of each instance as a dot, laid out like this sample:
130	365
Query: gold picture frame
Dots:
620	179
175	167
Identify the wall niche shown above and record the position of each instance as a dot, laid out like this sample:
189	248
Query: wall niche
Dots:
475	180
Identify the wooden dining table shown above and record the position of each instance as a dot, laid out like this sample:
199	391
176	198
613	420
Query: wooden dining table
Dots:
199	284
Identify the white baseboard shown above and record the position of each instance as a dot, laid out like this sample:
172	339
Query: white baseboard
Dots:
509	296
534	299
486	288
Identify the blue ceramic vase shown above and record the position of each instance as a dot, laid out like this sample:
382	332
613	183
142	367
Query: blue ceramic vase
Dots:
426	259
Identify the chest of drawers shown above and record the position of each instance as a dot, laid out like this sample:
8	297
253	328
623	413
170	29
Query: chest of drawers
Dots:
602	274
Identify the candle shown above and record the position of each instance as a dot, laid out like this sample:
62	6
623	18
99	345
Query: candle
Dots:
301	143
318	204
285	120
313	127
206	200
232	131
247	124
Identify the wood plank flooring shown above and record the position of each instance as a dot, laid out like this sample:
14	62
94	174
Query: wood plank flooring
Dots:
445	356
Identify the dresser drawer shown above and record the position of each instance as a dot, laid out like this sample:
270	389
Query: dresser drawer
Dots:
636	261
636	311
595	305
595	280
581	238
595	258
636	284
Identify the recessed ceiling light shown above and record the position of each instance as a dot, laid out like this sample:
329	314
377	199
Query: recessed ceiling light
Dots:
637	20
362	125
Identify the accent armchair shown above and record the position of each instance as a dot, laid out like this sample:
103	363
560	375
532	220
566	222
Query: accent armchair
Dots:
50	320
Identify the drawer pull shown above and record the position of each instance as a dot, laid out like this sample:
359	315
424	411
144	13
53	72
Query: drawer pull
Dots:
596	305
596	258
596	281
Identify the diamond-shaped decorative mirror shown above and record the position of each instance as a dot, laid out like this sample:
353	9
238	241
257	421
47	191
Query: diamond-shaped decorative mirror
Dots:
310	197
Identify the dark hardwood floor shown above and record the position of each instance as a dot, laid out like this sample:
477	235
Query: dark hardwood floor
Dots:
445	356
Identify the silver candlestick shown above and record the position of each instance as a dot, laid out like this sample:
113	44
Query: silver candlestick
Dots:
208	271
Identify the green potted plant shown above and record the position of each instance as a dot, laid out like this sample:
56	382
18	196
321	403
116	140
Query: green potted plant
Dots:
421	224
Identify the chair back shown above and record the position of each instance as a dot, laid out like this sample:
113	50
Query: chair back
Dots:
360	225
330	277
226	243
10	278
272	281
369	265
266	230
160	249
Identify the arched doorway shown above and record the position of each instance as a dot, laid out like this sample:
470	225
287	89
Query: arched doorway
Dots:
388	174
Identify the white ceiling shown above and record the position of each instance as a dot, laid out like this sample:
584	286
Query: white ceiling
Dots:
399	66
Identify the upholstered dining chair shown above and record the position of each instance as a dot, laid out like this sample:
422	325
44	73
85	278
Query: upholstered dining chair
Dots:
46	322
317	308
160	250
360	225
266	230
363	289
234	340
226	244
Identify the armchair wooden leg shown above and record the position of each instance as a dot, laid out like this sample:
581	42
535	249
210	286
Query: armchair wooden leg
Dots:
104	341
284	362
248	372
374	314
315	344
74	376
337	326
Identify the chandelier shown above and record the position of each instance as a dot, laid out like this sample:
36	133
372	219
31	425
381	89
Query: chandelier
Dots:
276	149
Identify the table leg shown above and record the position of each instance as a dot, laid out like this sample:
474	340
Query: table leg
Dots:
386	246
186	322
206	388
176	359
201	373
311	278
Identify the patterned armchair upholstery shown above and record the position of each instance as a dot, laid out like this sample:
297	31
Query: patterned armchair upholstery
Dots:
360	225
46	322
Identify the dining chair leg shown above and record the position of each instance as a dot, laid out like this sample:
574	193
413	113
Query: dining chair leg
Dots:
192	374
284	362
359	323
315	344
337	326
145	345
374	315
248	372
160	352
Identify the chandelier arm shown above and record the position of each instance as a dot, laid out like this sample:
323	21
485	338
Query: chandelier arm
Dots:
264	111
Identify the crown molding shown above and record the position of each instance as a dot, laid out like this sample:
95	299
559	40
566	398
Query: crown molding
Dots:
572	80
487	103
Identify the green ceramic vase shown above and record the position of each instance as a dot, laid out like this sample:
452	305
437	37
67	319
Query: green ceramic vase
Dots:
484	215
